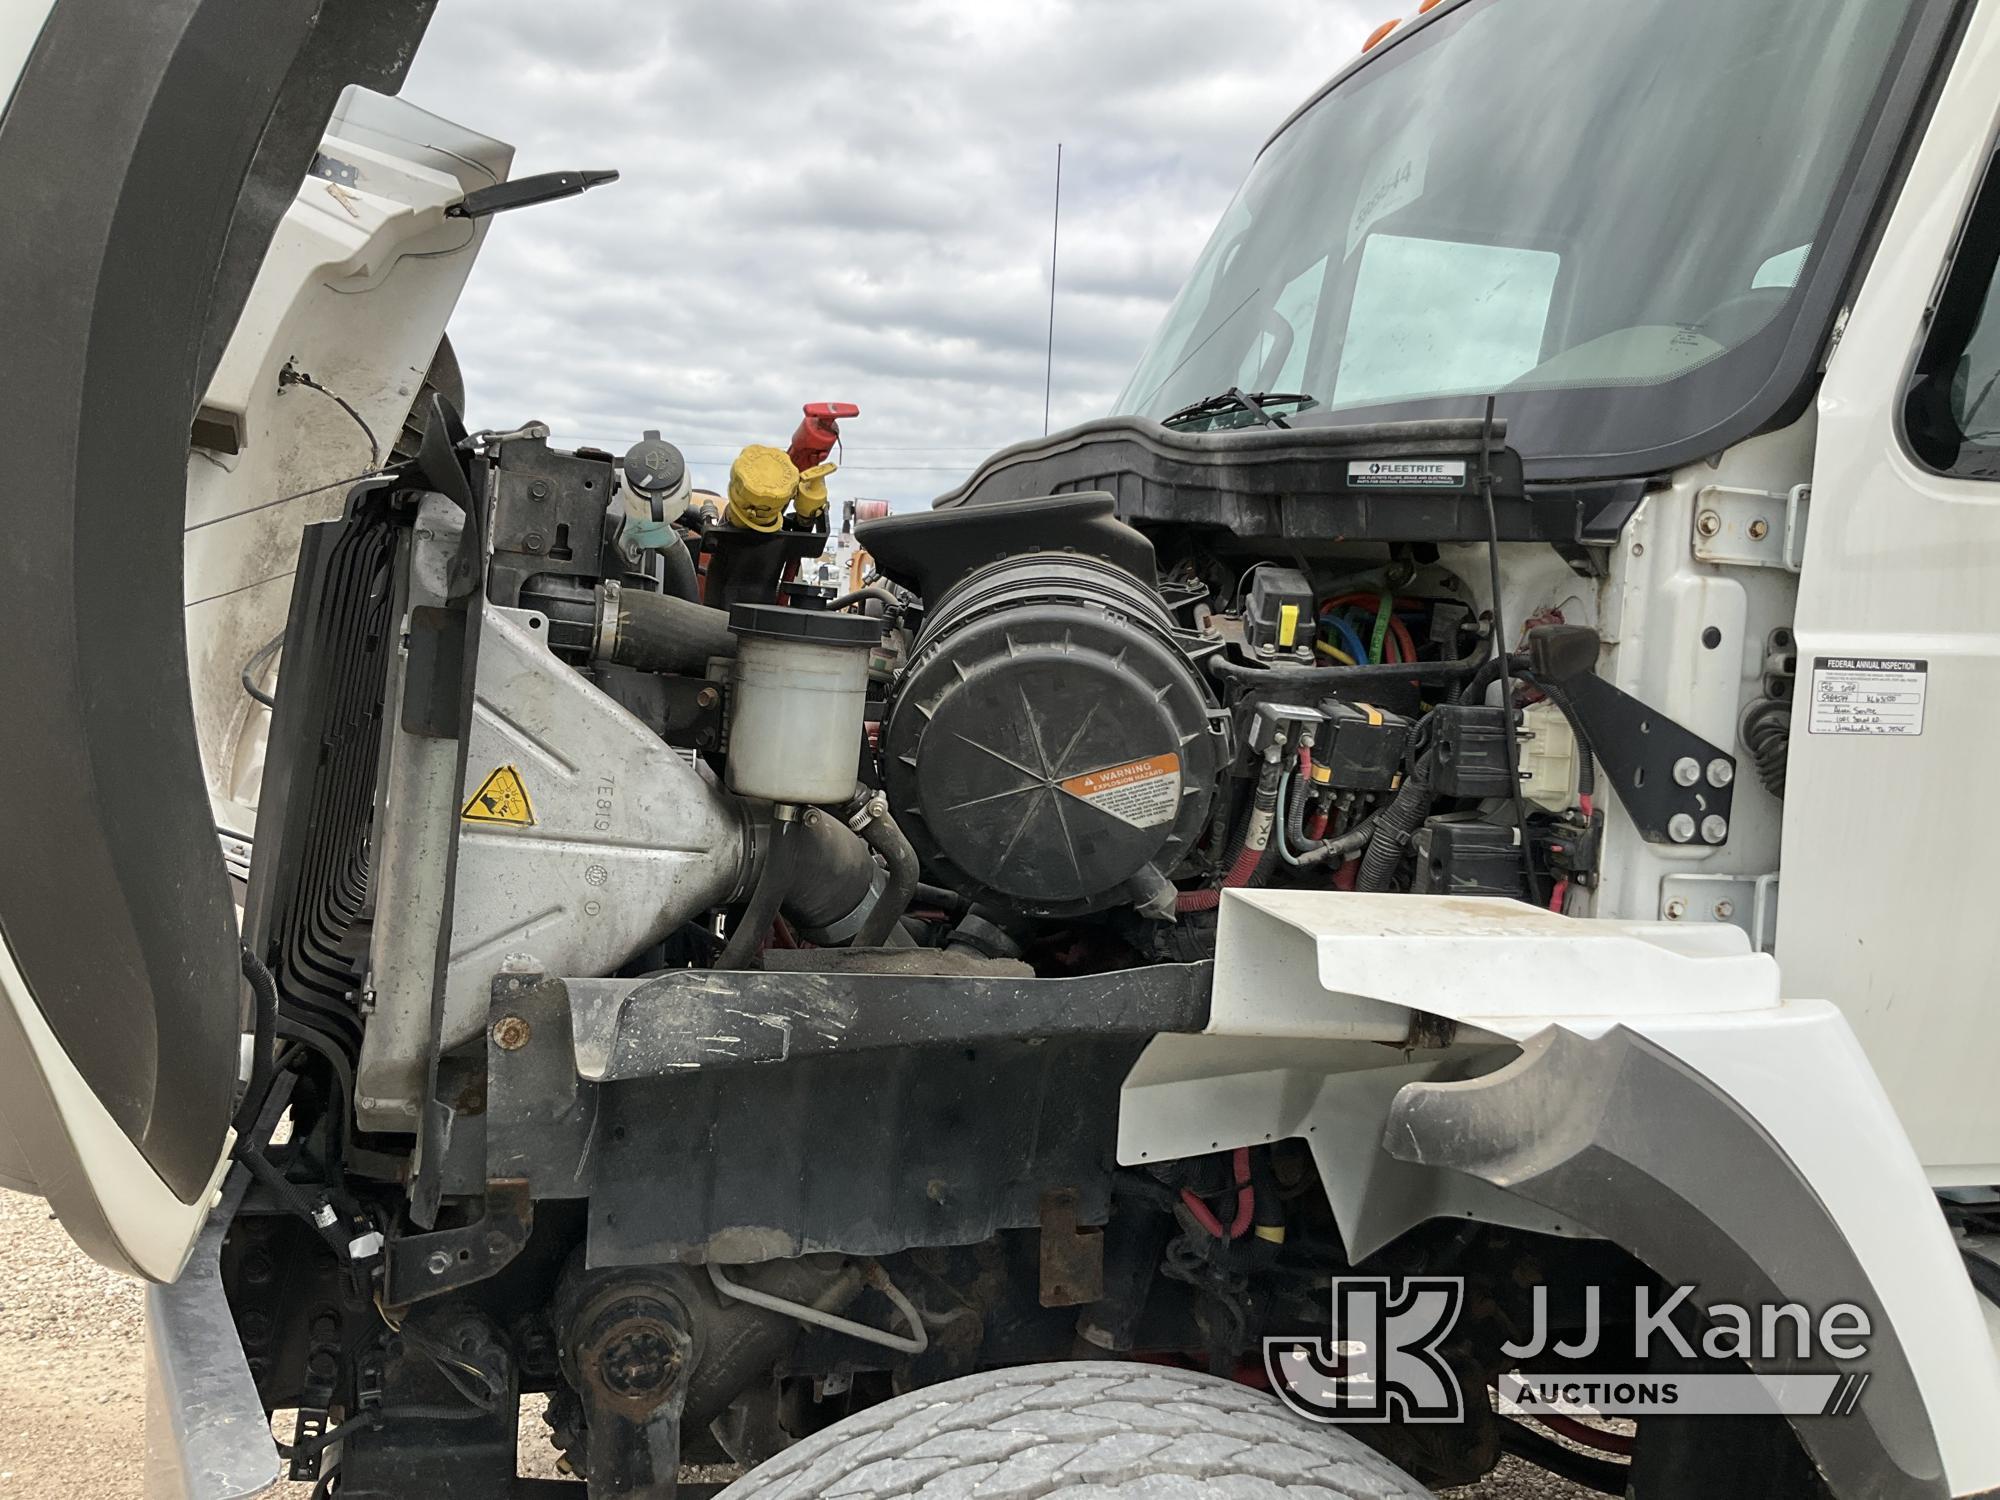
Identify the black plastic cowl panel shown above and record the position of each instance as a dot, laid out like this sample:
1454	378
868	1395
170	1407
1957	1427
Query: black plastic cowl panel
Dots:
1309	481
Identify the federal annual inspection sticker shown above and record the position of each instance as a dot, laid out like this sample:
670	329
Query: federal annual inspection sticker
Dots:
1406	474
1868	695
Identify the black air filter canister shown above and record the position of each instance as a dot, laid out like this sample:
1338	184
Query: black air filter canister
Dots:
1050	747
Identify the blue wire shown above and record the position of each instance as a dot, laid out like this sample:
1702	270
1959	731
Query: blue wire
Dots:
1349	639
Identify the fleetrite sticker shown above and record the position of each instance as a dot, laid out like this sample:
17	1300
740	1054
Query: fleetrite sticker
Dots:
1406	474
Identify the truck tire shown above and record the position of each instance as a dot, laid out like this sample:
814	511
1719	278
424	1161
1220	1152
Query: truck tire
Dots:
1071	1431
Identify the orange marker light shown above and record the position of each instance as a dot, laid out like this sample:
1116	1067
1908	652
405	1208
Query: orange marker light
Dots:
1381	31
1429	5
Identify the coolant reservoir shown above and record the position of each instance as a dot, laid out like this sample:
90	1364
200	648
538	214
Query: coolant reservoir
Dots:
800	702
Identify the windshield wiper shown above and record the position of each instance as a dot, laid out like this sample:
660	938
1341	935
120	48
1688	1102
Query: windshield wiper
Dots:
1235	399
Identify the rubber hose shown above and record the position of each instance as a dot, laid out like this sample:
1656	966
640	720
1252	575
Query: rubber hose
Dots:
661	633
1295	814
1393	826
887	840
1335	679
755	924
1767	734
833	872
878	592
264	1028
680	580
1353	841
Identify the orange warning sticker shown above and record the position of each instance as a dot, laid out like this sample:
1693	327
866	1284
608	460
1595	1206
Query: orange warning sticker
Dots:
502	798
1144	792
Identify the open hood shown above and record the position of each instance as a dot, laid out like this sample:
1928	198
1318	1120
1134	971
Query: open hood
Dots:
151	157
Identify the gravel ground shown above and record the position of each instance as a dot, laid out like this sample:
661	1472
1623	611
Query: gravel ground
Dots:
72	1380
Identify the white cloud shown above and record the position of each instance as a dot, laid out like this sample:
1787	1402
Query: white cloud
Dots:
848	201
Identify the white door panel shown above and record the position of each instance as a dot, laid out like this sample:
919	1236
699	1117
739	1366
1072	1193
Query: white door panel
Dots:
1888	898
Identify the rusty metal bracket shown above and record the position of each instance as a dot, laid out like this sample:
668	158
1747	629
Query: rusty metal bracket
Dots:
428	1265
1072	1256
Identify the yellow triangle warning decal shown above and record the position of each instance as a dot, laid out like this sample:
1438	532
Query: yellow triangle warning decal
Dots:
501	798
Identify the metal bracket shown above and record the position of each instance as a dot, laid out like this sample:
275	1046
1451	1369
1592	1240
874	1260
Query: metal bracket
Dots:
1072	1256
333	169
428	1265
1746	901
1677	787
1751	528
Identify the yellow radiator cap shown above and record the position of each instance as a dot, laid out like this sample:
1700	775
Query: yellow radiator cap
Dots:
762	483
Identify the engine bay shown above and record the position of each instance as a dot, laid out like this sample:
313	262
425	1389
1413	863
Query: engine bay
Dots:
683	901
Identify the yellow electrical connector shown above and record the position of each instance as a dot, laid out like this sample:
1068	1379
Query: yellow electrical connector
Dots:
811	499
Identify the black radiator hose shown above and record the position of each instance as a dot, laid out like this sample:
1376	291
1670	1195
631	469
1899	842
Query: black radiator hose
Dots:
264	995
833	873
887	840
772	885
678	563
1401	818
658	632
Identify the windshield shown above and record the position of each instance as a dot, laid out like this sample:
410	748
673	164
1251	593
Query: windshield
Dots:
1602	213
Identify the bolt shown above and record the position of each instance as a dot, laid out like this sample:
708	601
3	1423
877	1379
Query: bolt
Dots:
437	1263
496	1243
1708	523
1265	648
511	1033
1687	770
1720	772
706	698
539	490
1638	549
1715	828
1759	529
1724	910
1676	909
532	542
1680	828
255	1328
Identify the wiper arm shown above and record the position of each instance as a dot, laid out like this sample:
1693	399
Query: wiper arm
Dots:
1235	399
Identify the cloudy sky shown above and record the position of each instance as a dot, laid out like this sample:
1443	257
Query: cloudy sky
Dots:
847	201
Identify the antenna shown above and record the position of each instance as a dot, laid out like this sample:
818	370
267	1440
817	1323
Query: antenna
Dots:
1055	231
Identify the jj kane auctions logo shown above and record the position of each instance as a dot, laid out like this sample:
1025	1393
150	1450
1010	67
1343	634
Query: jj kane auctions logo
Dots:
1383	1362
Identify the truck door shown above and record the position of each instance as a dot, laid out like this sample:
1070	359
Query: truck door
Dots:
1886	901
137	212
